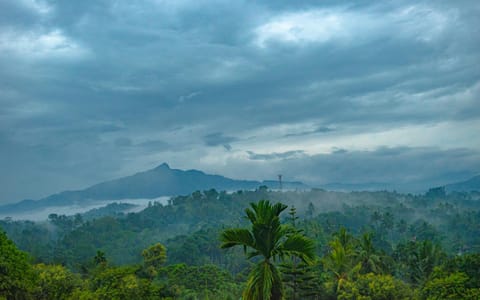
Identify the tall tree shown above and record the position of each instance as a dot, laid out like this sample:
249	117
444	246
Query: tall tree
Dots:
154	257
16	274
270	240
368	256
416	260
341	259
301	279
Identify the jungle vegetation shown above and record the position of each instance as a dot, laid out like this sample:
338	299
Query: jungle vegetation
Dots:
258	244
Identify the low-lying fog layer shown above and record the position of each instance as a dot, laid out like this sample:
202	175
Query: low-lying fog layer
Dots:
42	214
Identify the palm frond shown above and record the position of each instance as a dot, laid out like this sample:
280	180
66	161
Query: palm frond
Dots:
237	236
251	214
300	246
253	254
278	208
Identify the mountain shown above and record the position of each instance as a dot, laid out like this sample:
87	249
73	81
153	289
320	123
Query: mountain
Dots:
154	183
472	184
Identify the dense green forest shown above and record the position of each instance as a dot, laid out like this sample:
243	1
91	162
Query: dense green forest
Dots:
323	245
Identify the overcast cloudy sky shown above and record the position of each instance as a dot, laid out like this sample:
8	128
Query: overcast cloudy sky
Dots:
383	92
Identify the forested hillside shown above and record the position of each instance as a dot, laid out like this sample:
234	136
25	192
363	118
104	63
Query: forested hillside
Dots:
157	182
382	245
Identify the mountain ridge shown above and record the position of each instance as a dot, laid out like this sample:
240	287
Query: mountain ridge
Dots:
157	182
471	184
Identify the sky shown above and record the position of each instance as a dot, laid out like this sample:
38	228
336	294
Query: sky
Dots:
354	92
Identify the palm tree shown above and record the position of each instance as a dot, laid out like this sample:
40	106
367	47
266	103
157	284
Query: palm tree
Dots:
367	254
341	260
427	256
271	240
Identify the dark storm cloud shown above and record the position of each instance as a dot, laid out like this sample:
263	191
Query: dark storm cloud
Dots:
176	50
218	138
21	13
112	81
339	151
321	129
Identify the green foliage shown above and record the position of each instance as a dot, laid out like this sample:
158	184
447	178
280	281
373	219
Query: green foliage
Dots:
55	282
72	241
341	259
428	244
370	259
449	286
17	279
301	280
264	282
121	283
468	264
154	257
374	287
458	278
270	240
100	258
31	237
83	294
196	281
416	260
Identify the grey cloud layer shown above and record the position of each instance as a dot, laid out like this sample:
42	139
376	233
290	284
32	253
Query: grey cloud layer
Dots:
83	82
400	168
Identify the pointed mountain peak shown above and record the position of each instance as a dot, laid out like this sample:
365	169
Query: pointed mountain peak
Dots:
163	166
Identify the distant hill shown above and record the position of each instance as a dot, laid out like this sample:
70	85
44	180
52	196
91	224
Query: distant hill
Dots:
472	184
154	183
112	209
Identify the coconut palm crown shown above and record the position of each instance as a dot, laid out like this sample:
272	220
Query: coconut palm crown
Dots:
272	241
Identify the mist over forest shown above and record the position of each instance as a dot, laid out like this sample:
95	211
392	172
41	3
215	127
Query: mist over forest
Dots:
399	228
255	150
